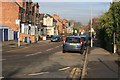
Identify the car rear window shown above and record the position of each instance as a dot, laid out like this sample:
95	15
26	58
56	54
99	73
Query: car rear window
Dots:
83	38
55	37
73	40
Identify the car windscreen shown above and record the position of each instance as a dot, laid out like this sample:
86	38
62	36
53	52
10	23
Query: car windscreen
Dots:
73	40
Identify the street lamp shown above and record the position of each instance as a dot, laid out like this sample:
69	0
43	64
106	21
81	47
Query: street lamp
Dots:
91	30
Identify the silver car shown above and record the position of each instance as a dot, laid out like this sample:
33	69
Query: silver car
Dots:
74	43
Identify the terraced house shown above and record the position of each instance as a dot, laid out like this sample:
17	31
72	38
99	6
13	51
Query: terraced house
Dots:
20	20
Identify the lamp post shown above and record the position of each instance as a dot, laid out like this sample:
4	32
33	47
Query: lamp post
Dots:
91	41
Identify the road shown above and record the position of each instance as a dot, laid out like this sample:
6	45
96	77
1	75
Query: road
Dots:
41	60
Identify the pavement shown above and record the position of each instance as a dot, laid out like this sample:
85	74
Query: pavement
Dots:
103	65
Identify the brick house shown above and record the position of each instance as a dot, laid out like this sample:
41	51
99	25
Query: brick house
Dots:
49	26
8	26
27	13
9	15
29	22
59	23
65	25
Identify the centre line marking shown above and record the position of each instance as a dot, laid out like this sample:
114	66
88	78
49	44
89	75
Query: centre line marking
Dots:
64	68
38	73
2	59
26	47
34	54
38	53
56	46
1	77
49	49
12	50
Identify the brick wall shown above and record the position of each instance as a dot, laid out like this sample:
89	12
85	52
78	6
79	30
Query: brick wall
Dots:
0	12
10	12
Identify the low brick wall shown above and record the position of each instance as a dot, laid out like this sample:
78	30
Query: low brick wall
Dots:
32	39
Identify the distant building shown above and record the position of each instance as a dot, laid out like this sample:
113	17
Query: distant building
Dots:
49	26
59	23
65	25
70	27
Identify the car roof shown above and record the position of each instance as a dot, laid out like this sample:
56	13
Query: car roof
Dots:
78	36
83	35
74	36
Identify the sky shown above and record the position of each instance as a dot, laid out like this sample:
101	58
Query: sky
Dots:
72	0
78	11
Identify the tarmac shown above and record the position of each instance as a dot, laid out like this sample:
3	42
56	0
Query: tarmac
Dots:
12	45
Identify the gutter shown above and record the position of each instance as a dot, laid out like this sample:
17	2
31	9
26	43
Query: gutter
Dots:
20	5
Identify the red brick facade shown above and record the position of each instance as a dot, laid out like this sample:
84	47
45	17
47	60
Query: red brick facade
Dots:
9	14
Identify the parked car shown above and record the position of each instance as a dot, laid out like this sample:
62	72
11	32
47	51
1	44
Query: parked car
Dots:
74	43
56	38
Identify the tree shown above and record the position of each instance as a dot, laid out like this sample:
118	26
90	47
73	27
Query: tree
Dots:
108	24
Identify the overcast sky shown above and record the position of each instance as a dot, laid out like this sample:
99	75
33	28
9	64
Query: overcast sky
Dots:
78	11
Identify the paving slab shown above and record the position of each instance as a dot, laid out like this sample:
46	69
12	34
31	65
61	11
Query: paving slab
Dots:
103	64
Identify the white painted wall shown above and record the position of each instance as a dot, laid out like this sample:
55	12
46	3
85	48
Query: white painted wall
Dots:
50	30
48	21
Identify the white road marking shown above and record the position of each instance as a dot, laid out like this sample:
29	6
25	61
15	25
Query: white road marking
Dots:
2	59
26	47
56	46
38	73
49	49
34	54
38	53
1	77
64	68
12	50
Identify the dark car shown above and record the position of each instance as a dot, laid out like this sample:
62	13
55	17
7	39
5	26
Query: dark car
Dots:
56	38
74	43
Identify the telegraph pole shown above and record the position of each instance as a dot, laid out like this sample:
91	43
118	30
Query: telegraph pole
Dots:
19	34
91	28
35	17
114	32
18	22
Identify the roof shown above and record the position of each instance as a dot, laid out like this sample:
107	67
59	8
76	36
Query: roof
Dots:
45	15
74	36
20	5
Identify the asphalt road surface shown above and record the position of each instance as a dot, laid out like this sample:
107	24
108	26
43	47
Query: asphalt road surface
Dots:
41	60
